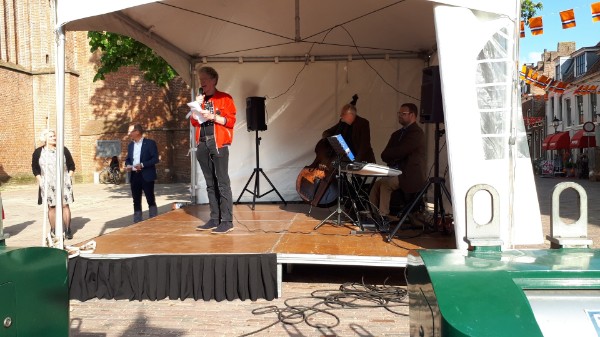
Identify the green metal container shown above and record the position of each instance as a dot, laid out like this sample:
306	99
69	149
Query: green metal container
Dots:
34	295
488	292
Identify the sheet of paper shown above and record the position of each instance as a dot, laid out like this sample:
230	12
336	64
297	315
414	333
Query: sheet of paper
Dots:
195	111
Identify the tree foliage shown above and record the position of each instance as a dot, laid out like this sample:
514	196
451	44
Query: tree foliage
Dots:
528	9
121	51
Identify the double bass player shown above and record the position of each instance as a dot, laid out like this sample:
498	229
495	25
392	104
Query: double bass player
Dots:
356	132
314	183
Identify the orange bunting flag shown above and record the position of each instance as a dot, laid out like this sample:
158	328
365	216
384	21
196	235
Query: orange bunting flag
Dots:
595	11
522	28
568	18
523	72
528	76
542	81
560	87
536	25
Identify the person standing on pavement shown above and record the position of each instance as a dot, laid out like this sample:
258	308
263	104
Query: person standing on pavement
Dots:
43	166
214	134
142	156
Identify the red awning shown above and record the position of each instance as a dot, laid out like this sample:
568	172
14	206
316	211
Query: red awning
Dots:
546	142
582	140
560	140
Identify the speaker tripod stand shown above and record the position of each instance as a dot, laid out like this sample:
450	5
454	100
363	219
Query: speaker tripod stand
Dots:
256	175
439	186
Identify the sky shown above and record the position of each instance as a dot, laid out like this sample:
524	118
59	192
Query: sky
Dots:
585	34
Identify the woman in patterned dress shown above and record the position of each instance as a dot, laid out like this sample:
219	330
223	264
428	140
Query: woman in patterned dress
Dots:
43	165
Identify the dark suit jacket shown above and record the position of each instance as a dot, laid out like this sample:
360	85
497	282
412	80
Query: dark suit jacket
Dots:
361	138
148	157
406	151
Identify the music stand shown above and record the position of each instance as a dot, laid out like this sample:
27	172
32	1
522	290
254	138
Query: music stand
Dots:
256	175
342	151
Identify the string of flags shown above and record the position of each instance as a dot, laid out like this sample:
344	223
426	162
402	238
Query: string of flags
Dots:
532	77
567	18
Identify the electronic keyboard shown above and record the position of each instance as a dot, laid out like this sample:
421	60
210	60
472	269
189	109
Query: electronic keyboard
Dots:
369	169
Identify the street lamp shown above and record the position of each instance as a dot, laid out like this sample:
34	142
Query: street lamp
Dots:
555	123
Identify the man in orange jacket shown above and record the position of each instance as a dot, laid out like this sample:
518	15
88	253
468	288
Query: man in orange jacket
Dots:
214	133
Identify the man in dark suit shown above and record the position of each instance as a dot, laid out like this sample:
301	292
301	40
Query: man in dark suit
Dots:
405	151
142	156
356	132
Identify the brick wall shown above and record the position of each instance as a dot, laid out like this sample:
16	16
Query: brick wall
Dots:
93	110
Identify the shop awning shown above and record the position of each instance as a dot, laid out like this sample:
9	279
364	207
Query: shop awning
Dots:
546	142
582	139
560	140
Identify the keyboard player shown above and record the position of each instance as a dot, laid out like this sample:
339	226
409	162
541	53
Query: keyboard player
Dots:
406	151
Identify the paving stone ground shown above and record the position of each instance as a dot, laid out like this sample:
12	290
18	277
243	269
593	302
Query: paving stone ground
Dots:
100	209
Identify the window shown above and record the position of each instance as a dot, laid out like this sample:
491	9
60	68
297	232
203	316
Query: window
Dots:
559	113
580	65
568	107
552	112
579	102
557	72
593	106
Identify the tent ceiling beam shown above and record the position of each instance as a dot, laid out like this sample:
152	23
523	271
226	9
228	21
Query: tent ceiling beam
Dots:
148	32
311	58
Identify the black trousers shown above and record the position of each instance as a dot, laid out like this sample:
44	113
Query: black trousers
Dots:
215	168
139	185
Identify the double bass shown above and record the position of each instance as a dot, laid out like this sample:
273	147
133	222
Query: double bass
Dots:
316	183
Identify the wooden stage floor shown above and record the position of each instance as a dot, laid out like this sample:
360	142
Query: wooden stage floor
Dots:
287	231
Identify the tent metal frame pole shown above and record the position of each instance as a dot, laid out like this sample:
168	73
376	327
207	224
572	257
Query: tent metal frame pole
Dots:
60	128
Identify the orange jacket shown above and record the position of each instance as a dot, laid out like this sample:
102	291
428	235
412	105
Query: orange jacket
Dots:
223	106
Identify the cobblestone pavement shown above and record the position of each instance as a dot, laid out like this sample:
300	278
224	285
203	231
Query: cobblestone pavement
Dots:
99	209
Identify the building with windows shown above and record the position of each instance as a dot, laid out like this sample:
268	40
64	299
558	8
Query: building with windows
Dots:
534	99
574	111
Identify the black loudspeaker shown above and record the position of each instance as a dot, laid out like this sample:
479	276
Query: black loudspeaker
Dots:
432	110
255	113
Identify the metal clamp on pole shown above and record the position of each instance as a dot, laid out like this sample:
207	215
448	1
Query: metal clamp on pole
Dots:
562	234
488	234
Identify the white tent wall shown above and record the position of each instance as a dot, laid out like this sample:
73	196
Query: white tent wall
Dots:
485	129
297	119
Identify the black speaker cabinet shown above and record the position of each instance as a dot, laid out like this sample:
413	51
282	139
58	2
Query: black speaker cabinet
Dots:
255	113
432	110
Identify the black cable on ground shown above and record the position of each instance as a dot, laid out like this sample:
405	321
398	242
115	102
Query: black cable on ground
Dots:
348	296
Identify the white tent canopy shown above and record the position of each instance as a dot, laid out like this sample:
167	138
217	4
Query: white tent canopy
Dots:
185	31
309	57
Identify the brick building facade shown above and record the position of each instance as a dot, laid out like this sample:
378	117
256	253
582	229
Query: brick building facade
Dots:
94	111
